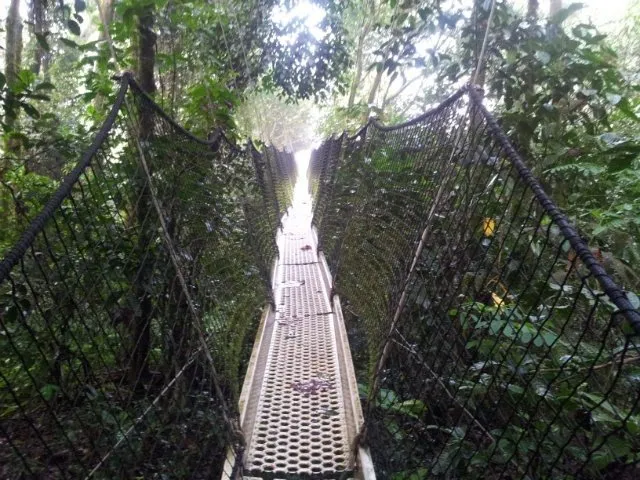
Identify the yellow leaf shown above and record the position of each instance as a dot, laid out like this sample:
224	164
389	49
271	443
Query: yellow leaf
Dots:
497	299
488	227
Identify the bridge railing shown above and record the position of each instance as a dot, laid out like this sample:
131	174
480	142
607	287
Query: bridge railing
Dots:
128	307
494	344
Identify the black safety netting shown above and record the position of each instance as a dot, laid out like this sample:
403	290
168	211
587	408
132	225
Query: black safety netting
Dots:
129	305
284	174
496	344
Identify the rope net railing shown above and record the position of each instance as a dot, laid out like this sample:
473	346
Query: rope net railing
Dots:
488	340
129	306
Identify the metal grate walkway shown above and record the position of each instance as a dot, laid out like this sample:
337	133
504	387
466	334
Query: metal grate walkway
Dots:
300	406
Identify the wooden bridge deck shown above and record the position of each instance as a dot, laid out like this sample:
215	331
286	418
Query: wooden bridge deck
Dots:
300	409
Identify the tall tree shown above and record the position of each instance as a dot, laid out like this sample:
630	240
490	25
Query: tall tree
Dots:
38	27
146	50
13	56
481	13
142	324
367	19
106	11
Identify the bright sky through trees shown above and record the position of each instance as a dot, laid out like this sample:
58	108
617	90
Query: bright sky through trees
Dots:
308	13
601	12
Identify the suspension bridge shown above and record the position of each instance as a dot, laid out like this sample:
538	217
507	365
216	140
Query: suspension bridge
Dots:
412	306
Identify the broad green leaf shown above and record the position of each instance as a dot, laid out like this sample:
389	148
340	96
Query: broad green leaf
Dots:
525	336
49	391
496	326
45	86
27	77
73	27
412	408
611	138
549	338
517	389
543	57
69	43
625	107
387	397
30	110
41	38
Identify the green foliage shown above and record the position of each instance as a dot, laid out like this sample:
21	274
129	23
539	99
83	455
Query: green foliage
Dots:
20	97
562	95
210	103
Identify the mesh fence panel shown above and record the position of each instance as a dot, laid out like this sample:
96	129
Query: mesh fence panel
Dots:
496	344
283	172
128	307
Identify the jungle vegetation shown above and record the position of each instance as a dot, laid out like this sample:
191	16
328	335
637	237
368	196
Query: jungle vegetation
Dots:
564	88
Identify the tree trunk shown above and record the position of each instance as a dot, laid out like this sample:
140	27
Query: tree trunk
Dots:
13	57
106	12
13	60
554	7
480	19
37	15
146	67
376	84
367	23
139	368
358	74
528	88
385	96
13	53
146	51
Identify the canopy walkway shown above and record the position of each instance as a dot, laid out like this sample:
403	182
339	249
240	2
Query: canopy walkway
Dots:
301	396
183	308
